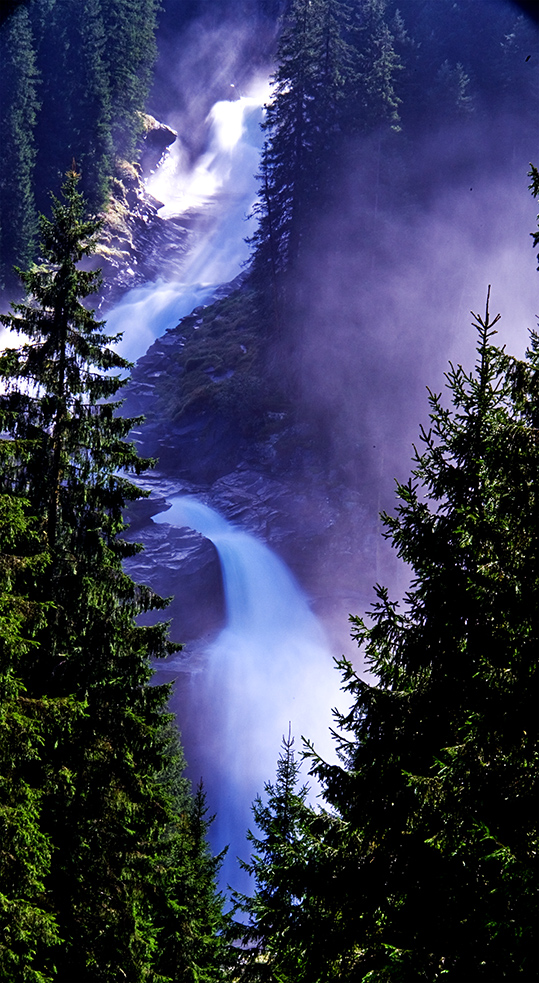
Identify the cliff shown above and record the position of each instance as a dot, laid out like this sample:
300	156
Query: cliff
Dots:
137	245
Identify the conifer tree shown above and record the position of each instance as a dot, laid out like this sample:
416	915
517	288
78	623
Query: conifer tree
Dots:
423	864
307	86
18	113
129	54
275	940
439	783
75	120
372	96
28	928
335	78
102	776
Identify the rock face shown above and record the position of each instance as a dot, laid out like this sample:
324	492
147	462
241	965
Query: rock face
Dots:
263	471
181	564
136	244
158	137
322	534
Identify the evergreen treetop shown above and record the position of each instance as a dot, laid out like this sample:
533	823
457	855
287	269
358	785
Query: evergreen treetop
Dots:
108	854
422	865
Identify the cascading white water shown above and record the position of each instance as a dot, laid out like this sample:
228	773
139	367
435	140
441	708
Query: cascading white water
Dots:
222	185
270	666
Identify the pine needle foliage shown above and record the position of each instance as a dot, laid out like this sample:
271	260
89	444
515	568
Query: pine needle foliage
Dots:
439	776
271	948
422	865
104	834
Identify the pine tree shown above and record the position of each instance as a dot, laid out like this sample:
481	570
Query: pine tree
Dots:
272	947
27	926
103	786
191	921
307	83
18	113
129	55
337	66
422	864
75	119
372	96
437	795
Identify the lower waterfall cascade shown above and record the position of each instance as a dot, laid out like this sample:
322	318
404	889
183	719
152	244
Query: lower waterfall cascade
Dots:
268	669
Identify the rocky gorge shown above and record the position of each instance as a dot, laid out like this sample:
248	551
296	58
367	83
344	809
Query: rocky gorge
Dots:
221	427
216	433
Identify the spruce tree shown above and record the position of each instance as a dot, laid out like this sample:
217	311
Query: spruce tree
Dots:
307	86
18	114
75	119
103	778
129	55
422	866
335	78
28	927
438	785
274	940
372	93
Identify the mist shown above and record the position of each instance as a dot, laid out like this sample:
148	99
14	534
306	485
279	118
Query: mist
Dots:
269	669
394	263
390	274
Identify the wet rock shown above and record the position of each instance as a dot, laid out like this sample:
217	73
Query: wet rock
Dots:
140	512
136	244
181	564
158	137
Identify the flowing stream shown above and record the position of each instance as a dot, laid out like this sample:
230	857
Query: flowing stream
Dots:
268	668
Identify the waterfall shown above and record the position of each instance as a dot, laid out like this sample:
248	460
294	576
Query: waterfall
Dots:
269	666
221	187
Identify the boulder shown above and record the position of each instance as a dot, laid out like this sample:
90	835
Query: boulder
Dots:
158	137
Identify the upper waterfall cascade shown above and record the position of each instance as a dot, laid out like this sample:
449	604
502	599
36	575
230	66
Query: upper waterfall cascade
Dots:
221	185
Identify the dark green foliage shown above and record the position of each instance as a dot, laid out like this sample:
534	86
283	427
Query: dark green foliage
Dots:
443	61
191	921
315	85
75	119
424	866
374	36
75	81
273	950
18	111
105	836
440	780
129	56
27	926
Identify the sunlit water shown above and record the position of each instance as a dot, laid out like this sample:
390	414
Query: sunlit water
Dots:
268	668
223	186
